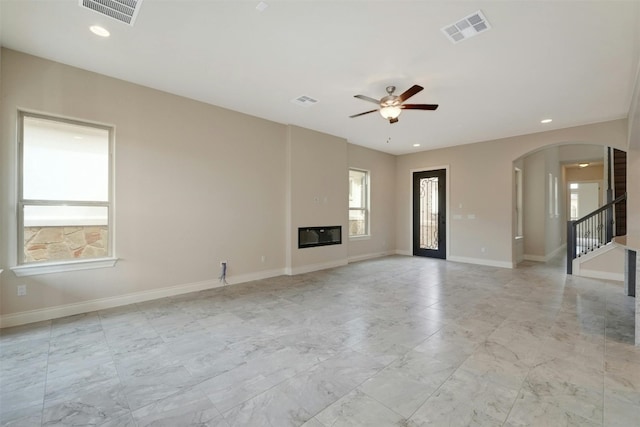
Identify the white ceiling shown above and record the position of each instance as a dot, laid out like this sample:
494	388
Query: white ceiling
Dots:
572	61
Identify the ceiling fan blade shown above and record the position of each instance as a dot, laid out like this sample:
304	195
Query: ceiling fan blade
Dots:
419	106
362	114
367	98
410	92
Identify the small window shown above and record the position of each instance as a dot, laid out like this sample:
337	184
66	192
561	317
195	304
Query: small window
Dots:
556	204
64	206
550	196
519	205
358	203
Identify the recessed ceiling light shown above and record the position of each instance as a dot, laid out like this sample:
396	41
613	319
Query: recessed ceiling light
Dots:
416	145
546	121
99	31
262	6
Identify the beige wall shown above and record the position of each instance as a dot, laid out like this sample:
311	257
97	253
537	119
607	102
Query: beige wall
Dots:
593	173
481	180
633	180
543	220
578	153
535	200
546	235
518	242
555	217
608	264
195	185
382	168
318	187
589	174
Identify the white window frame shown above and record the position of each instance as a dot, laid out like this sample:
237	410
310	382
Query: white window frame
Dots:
55	266
366	208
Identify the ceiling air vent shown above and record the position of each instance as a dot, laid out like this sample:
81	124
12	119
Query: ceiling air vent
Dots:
467	27
121	10
305	101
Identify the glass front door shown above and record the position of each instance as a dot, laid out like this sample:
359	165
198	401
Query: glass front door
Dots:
429	215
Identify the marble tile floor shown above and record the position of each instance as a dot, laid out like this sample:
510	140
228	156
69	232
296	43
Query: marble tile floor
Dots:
395	341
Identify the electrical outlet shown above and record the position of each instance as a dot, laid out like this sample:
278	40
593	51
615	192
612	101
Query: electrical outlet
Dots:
22	290
263	259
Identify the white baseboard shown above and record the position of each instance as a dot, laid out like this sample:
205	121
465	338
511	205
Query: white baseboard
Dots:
602	275
315	267
480	261
370	256
467	260
259	275
557	251
403	252
547	257
24	317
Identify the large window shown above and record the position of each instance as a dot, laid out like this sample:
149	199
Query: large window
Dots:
64	206
358	203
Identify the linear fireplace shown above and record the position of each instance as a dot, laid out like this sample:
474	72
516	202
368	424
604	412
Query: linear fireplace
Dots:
309	237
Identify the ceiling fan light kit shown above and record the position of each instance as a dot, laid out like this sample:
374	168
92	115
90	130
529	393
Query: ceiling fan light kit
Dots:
390	112
392	105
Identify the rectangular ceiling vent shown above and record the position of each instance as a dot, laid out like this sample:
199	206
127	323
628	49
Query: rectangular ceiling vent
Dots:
305	101
121	10
467	27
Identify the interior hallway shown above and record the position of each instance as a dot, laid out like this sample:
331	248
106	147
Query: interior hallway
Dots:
390	341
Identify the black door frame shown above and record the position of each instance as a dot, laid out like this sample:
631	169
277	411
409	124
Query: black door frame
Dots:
443	194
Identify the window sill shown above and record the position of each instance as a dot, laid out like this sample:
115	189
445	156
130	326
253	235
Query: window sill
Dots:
363	237
60	267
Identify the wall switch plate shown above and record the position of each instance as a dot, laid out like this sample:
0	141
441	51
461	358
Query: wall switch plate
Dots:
22	290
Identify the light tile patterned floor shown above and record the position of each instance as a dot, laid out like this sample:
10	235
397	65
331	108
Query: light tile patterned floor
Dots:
397	341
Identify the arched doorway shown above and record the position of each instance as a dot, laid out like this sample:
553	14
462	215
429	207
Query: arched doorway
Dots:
558	183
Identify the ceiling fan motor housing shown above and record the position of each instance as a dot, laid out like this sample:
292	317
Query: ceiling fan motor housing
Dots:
389	101
392	105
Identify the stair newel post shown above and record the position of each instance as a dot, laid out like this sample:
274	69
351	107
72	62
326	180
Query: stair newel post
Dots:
609	223
571	245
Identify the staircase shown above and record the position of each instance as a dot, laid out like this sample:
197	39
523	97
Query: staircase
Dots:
591	250
596	230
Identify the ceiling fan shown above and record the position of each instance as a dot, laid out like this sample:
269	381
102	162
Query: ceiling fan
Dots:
392	105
